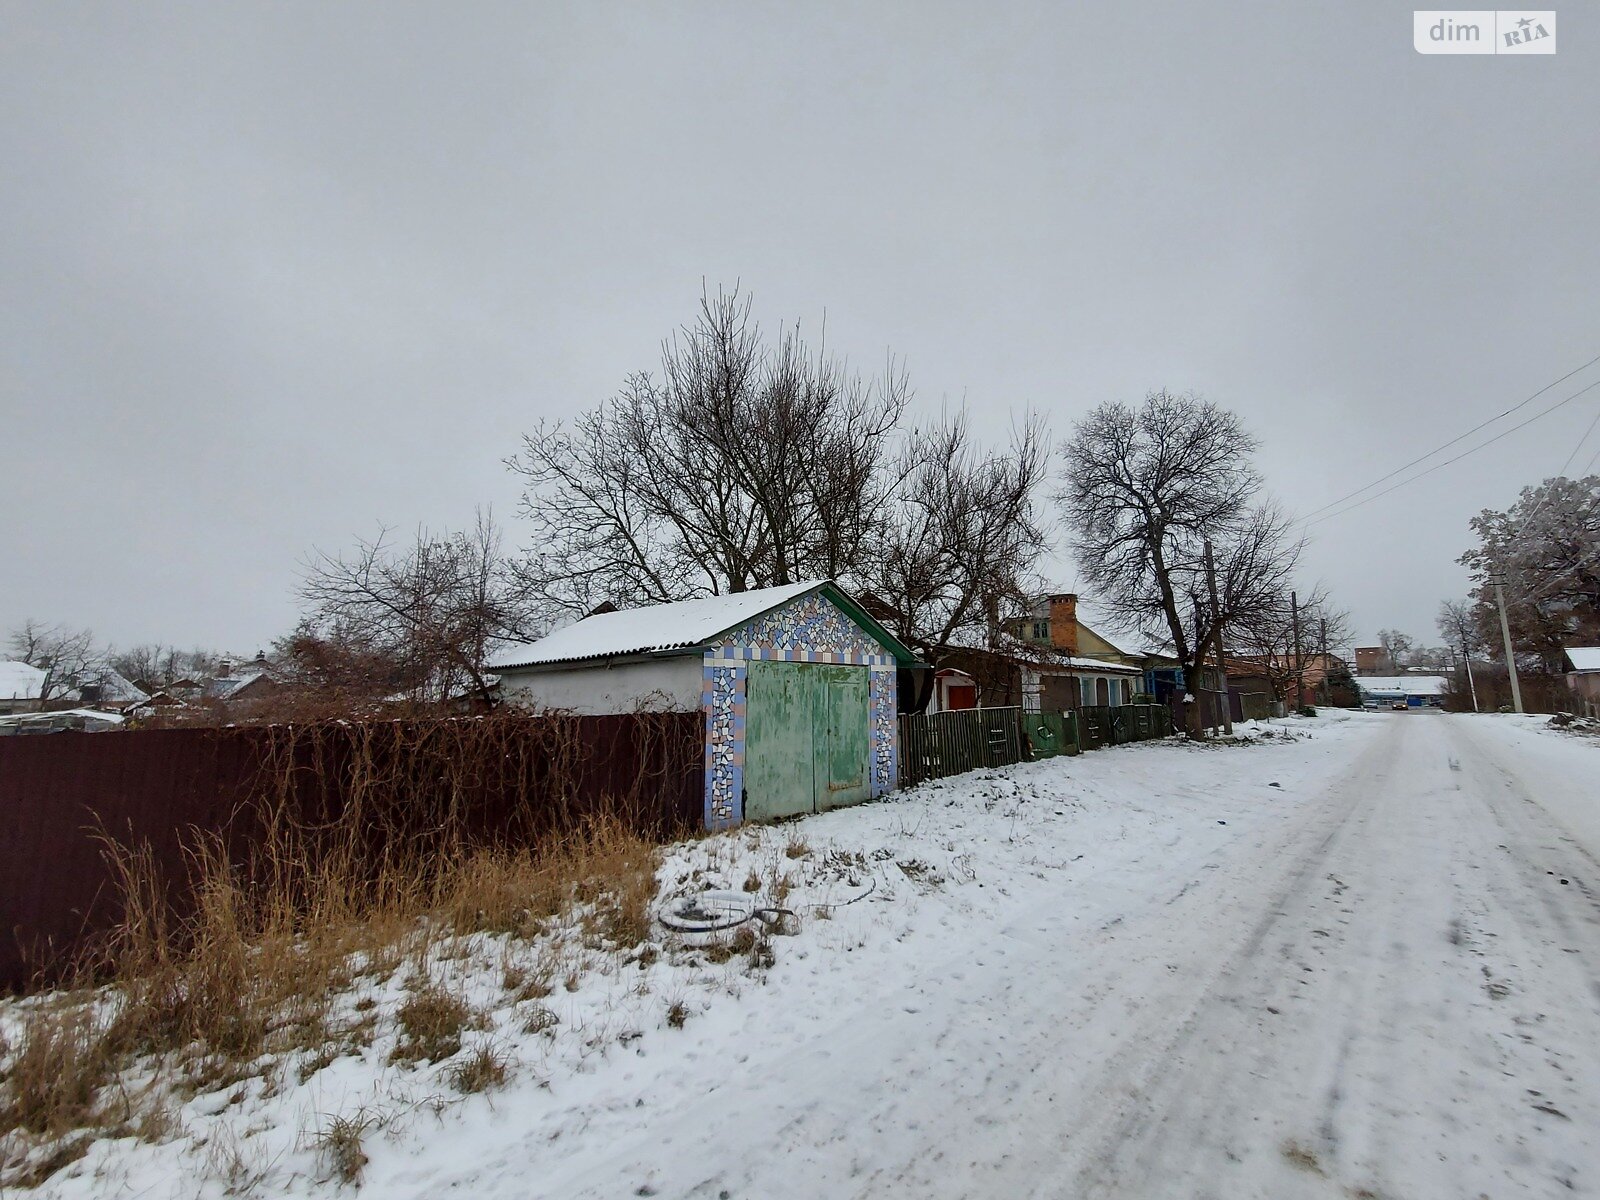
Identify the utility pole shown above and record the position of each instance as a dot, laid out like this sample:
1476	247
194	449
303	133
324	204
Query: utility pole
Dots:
1505	634
1216	634
1326	694
1197	691
1299	659
1466	663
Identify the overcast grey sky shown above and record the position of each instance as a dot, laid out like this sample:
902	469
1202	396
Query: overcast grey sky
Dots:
273	273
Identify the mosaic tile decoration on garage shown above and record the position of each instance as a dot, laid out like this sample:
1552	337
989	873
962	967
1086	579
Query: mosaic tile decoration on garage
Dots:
809	629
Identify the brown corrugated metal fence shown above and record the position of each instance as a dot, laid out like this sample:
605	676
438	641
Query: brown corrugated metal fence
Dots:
63	794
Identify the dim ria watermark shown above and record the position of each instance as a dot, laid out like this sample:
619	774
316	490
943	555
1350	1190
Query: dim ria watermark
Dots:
1483	31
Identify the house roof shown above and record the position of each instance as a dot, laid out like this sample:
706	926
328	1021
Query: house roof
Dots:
226	686
1410	685
116	688
1583	658
674	628
93	715
1046	659
19	681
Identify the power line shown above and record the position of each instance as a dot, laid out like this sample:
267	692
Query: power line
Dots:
1453	441
1440	465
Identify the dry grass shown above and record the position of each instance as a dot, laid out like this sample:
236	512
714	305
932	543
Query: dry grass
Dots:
431	1023
540	1020
340	1142
61	1063
246	984
483	1069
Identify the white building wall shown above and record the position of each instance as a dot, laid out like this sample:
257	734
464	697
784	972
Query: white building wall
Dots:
659	685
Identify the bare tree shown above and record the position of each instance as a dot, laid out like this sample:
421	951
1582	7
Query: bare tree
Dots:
740	465
961	535
155	664
66	656
1458	628
1266	634
1397	647
1146	487
1547	548
416	619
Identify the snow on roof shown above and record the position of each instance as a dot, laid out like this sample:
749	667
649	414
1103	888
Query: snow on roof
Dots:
117	688
1096	664
655	628
1410	685
1049	659
224	686
44	718
1584	658
19	681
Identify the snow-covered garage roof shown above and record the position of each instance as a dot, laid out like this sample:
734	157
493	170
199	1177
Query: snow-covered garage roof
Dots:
667	628
19	681
1584	658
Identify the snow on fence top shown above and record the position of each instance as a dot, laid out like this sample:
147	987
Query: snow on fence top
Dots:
656	628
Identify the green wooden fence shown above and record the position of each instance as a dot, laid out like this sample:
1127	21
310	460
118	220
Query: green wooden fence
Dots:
934	745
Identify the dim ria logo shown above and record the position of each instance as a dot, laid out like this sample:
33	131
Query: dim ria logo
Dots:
1486	31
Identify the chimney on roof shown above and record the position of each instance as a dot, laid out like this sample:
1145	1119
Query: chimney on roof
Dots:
1064	622
991	617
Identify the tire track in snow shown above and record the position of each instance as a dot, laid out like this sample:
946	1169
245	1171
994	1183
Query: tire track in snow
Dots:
1407	1072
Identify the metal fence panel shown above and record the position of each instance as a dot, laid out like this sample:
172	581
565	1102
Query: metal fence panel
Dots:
159	788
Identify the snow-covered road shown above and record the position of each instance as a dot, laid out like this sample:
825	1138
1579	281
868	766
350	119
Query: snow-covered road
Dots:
1389	986
1360	958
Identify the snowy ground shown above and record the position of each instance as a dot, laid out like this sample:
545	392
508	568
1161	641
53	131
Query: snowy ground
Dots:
1361	960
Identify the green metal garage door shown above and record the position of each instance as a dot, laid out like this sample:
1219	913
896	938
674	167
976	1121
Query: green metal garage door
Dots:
806	743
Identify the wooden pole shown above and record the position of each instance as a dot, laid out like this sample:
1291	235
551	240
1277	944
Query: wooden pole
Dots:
1216	635
1299	658
1326	692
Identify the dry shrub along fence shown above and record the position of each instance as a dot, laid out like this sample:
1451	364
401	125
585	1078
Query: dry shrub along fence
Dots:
935	745
123	847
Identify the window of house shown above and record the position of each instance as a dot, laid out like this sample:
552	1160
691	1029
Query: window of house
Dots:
1088	690
1041	631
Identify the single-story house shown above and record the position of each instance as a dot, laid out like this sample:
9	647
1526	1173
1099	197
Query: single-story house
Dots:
1583	671
798	685
20	685
109	691
953	690
1268	675
1416	690
1124	667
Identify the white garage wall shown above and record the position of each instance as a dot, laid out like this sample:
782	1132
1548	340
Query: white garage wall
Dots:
661	685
